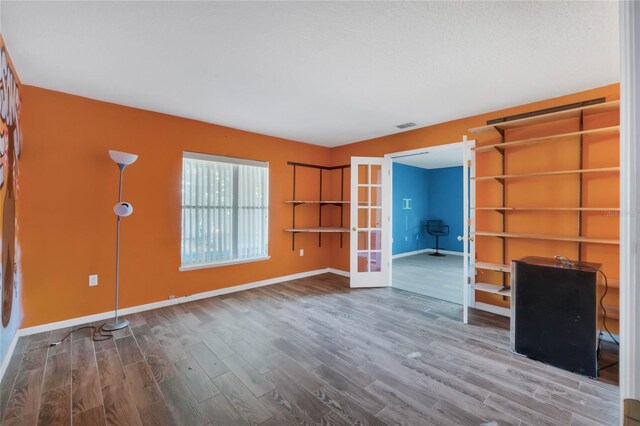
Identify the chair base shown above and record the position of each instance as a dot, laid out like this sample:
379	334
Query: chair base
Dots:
438	254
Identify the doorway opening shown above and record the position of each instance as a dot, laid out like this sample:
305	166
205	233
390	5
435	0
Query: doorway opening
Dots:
429	216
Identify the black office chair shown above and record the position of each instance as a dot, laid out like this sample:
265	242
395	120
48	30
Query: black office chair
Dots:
436	228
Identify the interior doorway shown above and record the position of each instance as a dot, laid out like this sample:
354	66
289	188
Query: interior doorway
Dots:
430	222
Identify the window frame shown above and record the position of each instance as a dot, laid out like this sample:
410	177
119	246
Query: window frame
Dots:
236	191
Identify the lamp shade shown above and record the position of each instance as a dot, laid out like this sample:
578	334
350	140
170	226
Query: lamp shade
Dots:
123	158
123	209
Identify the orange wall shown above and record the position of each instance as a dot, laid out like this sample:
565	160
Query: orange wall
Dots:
451	132
68	225
598	190
69	186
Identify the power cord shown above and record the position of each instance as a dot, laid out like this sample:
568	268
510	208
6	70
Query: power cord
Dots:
604	323
567	263
97	335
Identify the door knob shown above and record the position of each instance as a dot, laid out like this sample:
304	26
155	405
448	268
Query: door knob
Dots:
353	229
461	238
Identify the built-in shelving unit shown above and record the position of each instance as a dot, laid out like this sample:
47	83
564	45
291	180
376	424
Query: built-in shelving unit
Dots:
320	203
539	117
499	127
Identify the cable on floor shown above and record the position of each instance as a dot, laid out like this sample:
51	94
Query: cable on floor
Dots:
98	334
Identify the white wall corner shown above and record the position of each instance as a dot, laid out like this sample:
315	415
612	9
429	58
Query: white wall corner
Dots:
629	200
339	272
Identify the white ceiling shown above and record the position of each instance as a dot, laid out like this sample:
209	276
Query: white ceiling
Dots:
327	73
433	160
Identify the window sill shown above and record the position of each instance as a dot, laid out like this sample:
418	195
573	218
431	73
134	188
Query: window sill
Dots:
217	264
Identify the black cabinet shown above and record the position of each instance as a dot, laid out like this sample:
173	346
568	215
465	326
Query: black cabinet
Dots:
554	313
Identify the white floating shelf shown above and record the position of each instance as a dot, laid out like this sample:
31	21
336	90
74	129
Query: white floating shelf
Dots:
492	266
320	229
316	202
493	289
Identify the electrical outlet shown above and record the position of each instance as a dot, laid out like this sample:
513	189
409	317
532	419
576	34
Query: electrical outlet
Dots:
417	237
406	238
301	252
93	280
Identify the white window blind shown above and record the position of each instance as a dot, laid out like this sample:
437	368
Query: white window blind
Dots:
225	208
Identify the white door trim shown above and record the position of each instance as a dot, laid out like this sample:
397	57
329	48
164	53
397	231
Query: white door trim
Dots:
435	148
629	200
392	155
381	277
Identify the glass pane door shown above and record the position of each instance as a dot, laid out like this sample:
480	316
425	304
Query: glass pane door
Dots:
369	222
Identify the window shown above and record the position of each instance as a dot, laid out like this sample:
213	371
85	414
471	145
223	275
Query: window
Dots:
225	210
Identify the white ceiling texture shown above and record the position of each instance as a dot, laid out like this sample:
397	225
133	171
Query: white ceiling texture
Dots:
327	73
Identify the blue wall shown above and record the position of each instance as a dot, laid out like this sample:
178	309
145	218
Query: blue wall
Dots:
409	182
435	194
446	203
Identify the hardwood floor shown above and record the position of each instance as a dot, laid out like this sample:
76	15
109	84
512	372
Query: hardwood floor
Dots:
437	277
310	352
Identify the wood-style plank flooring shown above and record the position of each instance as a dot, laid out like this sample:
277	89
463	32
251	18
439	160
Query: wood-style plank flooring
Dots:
310	352
438	277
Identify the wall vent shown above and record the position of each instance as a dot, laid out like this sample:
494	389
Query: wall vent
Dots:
405	125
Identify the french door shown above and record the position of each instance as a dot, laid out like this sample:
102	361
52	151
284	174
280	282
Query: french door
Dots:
370	226
469	247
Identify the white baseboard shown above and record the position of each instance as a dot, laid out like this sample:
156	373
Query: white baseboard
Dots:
505	312
197	296
429	250
339	272
9	355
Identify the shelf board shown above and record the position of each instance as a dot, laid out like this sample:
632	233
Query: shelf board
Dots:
316	202
613	312
547	237
549	209
613	283
554	173
493	288
545	118
534	141
318	229
492	266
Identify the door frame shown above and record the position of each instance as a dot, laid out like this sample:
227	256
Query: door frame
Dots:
470	144
629	202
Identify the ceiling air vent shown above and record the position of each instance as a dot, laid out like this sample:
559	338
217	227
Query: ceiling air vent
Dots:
405	125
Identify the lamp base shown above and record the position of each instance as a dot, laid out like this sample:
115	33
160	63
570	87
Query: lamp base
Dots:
116	325
438	254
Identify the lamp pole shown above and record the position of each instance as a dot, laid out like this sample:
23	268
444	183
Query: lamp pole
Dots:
122	160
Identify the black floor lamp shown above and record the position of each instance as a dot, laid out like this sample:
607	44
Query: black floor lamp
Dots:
121	209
